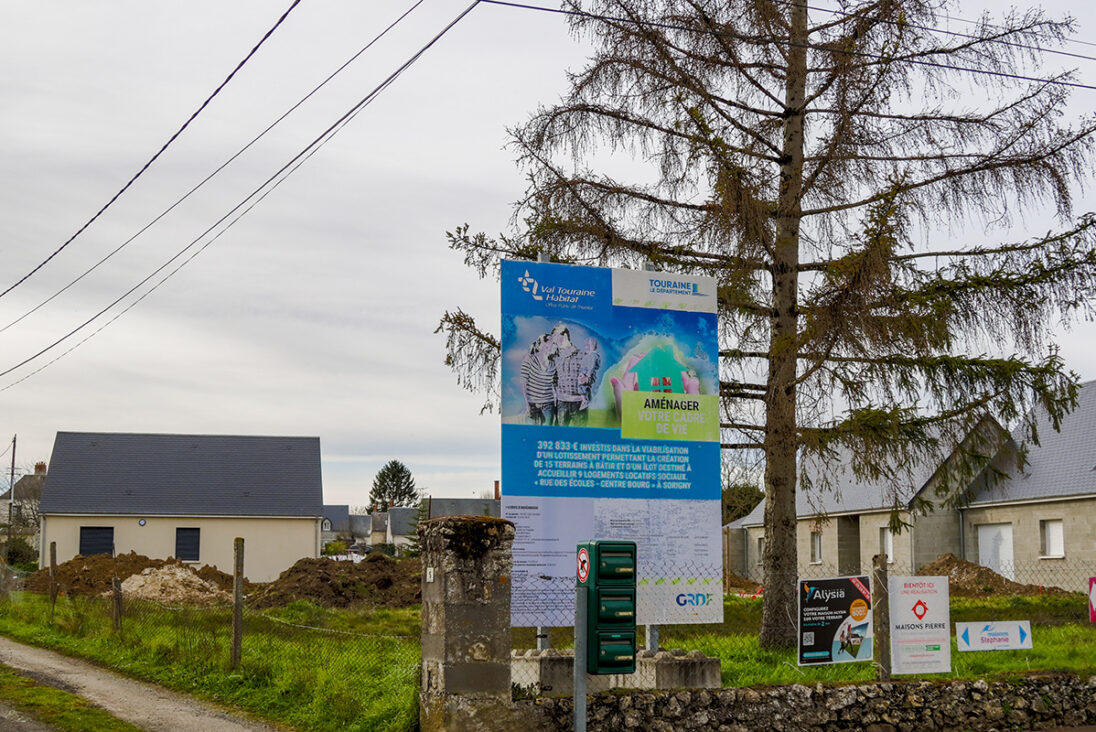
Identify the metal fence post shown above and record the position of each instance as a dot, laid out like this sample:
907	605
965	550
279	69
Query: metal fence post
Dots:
881	617
580	658
652	638
237	602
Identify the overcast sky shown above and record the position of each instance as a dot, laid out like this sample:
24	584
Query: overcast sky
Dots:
313	315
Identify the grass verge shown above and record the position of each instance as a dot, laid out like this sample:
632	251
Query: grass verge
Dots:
60	709
327	676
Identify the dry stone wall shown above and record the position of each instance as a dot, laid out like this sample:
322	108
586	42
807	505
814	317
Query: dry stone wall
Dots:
1029	702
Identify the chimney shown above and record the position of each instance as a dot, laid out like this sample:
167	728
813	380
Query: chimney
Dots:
40	468
498	491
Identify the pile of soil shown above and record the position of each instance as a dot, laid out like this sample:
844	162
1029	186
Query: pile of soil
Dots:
173	584
377	581
967	579
732	581
93	575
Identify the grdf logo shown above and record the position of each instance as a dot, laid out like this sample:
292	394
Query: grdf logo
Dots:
697	599
530	285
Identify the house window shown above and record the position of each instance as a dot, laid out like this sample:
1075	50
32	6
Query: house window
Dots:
326	525
96	540
816	547
1052	538
187	544
886	543
760	549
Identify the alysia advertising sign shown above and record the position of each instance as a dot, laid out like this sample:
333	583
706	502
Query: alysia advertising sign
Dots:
835	624
610	431
920	630
1004	635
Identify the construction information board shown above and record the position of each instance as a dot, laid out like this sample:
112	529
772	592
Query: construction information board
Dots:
920	625
1004	635
835	624
610	430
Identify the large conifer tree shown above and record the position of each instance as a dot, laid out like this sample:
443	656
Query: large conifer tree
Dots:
855	180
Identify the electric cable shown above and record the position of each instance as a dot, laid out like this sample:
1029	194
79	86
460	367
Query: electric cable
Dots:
216	171
809	46
258	194
159	152
931	29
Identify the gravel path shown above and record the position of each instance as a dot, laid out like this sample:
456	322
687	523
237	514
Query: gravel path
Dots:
15	721
145	705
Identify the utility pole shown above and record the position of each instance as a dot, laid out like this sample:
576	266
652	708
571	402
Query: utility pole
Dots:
11	500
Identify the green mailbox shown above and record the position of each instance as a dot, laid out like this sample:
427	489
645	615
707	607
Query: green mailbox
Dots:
607	569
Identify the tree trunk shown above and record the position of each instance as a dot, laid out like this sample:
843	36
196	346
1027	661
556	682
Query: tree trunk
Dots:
778	621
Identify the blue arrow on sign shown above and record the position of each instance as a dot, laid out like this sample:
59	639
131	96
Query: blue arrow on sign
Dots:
1023	635
966	636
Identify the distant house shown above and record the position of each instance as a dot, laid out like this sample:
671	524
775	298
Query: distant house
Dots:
1037	524
185	496
401	527
839	530
25	506
335	524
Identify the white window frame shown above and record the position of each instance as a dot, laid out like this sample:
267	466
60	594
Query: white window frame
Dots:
1048	528
760	550
816	547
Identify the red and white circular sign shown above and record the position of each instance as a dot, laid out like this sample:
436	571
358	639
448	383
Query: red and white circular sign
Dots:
583	564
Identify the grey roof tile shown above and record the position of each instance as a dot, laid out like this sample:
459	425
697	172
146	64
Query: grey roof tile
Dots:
464	507
189	475
338	515
1063	464
401	520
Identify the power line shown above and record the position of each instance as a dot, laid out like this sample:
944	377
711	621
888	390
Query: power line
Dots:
219	168
811	46
159	152
260	193
931	29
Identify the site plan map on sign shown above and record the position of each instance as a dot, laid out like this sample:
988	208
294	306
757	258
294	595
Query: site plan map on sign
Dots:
610	431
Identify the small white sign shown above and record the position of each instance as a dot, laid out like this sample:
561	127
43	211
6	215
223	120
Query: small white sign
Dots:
429	574
1003	635
920	621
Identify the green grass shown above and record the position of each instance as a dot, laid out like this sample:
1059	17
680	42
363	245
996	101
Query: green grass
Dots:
64	711
1063	640
307	678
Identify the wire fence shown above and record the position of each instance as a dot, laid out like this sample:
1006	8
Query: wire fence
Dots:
286	654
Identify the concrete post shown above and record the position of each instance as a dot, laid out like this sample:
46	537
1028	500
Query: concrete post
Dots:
880	617
466	565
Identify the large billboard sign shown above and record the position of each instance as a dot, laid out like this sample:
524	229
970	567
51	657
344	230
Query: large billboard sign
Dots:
835	621
610	431
920	625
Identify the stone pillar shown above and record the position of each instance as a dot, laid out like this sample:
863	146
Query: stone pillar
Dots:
466	565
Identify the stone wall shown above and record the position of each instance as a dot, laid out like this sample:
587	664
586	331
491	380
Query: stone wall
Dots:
1029	702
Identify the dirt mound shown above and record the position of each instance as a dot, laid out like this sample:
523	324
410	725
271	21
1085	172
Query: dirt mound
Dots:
967	579
732	581
377	581
173	584
93	575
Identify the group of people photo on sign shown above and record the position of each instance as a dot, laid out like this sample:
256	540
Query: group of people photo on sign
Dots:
558	378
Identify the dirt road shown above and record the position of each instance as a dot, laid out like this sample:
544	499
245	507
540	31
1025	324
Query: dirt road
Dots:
147	706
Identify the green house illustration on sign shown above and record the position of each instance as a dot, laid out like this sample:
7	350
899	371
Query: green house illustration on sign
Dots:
660	370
